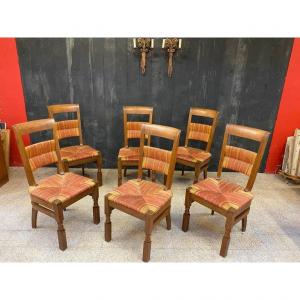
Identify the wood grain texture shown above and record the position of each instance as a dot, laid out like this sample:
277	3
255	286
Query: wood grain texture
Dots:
3	166
241	78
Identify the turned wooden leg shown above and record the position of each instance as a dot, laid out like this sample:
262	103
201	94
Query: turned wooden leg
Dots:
165	179
197	173
244	224
212	212
61	233
205	173
186	215
119	172
99	172
226	238
65	165
147	242
182	170
107	230
149	173
96	209
168	220
153	176
34	217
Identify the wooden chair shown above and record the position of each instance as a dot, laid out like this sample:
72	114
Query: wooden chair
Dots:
129	156
146	200
193	157
227	198
53	194
78	154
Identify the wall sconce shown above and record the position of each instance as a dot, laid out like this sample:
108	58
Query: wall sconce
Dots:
145	45
171	44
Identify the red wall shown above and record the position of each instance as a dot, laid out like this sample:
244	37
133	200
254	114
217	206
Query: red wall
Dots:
288	117
12	105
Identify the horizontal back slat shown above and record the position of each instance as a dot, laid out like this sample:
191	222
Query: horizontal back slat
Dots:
67	128
41	154
156	159
239	159
134	129
199	132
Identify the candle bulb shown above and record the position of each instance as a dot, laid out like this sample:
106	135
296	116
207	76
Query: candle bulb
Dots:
134	43
180	40
152	43
163	43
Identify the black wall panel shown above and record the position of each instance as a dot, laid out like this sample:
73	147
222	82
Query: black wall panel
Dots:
242	78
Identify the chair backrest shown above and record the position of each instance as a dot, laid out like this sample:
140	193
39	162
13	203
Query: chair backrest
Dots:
239	159
156	159
132	130
199	131
67	128
39	154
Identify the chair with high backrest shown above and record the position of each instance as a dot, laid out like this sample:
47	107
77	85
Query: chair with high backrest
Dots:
227	198
194	157
147	200
51	195
78	154
129	156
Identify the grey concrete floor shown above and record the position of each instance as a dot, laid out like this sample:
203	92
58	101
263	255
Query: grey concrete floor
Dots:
273	232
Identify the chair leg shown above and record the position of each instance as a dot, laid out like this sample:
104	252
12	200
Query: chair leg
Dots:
182	170
186	215
197	173
125	172
205	173
61	233
226	238
149	173
212	212
244	224
147	242
119	172
96	209
168	220
99	172
65	165
82	169
34	217
153	176
107	230
165	179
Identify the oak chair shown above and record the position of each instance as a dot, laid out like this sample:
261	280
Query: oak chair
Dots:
53	194
147	200
194	157
129	156
225	197
78	154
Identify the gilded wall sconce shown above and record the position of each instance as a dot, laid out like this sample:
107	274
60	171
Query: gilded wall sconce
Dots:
145	45
171	45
